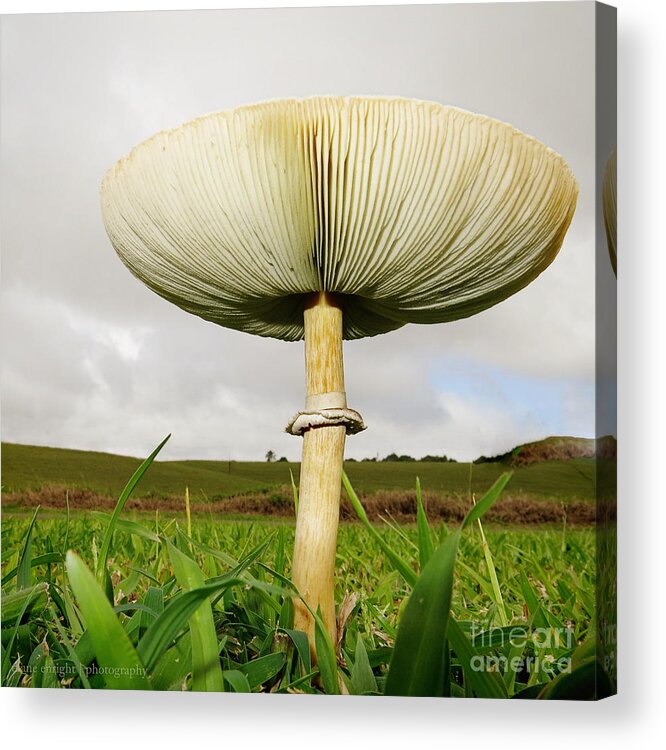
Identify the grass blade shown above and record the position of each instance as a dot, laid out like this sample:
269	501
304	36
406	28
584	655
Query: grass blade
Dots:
124	495
42	668
206	669
487	500
492	574
405	570
67	522
167	626
154	601
188	513
73	652
238	681
587	682
362	678
497	637
114	652
129	527
426	547
532	602
28	601
294	490
300	641
326	661
483	684
24	566
418	663
261	670
7	645
49	558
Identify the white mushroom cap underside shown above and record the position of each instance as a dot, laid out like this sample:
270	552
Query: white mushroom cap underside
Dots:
416	212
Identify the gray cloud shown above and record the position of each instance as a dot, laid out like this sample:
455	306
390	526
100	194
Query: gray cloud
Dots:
92	359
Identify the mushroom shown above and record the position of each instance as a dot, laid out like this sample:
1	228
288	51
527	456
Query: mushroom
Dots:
609	206
334	218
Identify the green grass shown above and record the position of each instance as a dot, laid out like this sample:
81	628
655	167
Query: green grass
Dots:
30	467
249	621
246	620
136	601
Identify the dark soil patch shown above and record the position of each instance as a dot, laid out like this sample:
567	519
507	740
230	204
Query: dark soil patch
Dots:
396	504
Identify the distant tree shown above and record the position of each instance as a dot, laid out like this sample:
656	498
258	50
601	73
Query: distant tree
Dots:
439	459
396	457
270	456
366	460
350	460
282	459
501	458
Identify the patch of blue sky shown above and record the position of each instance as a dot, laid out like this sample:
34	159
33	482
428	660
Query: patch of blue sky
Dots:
558	406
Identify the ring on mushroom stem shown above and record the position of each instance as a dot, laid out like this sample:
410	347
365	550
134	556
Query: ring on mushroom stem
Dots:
330	218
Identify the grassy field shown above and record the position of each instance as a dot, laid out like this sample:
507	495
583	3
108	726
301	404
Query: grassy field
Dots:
546	607
29	467
124	600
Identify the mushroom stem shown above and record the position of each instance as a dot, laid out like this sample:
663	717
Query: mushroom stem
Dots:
321	467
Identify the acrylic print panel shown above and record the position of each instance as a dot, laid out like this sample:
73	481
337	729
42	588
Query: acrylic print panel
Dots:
200	224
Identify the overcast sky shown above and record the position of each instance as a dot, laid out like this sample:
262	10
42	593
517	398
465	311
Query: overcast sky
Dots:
92	359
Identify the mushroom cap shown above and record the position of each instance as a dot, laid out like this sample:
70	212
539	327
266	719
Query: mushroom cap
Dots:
409	211
609	205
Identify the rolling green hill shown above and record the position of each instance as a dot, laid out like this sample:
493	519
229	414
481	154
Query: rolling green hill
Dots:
26	467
